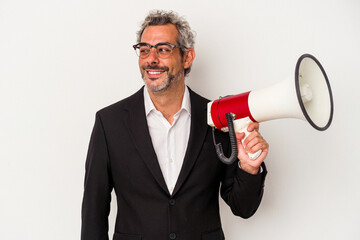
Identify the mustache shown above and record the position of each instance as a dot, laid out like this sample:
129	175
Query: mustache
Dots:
155	68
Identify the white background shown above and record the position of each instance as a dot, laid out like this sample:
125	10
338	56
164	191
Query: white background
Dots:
61	61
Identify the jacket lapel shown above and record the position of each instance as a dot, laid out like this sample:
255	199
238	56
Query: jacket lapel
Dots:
140	133
198	131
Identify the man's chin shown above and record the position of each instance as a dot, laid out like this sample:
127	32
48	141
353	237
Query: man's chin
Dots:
150	80
157	88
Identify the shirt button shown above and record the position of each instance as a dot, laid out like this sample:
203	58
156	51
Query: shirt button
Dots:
172	202
172	236
170	160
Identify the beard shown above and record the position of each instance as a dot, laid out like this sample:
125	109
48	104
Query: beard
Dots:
169	81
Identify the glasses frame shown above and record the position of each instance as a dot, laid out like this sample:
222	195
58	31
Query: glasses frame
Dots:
138	45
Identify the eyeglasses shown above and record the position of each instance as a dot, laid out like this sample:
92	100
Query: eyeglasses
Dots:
163	49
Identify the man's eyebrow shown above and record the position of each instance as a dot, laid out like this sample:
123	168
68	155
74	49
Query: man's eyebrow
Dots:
163	43
160	43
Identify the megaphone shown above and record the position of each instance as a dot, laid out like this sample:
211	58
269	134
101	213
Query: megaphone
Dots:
309	98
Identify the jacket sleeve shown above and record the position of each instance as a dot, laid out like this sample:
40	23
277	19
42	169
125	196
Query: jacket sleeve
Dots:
97	187
242	191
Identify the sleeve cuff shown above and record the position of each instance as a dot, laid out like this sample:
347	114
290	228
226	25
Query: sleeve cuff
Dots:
260	169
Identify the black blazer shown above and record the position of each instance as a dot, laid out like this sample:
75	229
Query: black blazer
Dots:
121	157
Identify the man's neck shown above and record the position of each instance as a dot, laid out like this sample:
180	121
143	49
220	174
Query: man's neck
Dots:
168	102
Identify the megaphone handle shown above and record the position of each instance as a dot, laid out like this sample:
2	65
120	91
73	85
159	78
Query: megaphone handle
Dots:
241	125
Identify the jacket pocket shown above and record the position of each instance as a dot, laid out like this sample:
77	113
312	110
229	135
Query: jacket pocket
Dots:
214	235
125	236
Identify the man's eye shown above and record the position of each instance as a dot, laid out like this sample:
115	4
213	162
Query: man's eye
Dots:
144	50
164	49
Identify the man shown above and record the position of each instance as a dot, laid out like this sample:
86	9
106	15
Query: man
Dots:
156	151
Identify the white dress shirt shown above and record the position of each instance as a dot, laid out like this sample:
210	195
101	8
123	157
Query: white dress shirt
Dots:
169	141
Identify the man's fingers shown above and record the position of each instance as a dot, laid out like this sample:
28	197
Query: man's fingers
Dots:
254	142
253	136
253	126
259	146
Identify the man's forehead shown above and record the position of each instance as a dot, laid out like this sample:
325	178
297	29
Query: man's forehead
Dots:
160	33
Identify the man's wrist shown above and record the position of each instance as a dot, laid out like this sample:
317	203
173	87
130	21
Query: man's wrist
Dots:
251	171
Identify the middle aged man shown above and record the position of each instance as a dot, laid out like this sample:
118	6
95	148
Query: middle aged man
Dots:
156	151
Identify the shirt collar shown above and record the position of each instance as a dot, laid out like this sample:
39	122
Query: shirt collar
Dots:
149	105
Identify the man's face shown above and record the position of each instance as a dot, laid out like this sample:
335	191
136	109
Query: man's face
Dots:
158	73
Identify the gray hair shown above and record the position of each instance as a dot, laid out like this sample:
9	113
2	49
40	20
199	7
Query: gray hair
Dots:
186	36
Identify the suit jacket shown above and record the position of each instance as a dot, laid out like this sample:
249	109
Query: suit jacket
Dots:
121	157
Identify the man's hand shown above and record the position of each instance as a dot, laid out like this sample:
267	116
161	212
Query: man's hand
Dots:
253	143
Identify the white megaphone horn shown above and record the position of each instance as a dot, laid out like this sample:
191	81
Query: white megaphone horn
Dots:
308	98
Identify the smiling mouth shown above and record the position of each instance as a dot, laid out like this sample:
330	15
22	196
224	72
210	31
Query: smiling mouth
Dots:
154	73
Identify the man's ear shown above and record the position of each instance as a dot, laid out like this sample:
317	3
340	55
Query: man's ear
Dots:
189	57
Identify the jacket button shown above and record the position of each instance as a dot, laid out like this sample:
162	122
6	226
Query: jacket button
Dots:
172	236
172	202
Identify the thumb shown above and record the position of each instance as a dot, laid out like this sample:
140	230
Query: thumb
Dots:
239	138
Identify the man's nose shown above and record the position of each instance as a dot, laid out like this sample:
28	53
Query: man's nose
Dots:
153	57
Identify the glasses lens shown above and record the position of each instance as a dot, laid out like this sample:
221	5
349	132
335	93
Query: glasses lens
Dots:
163	50
143	51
